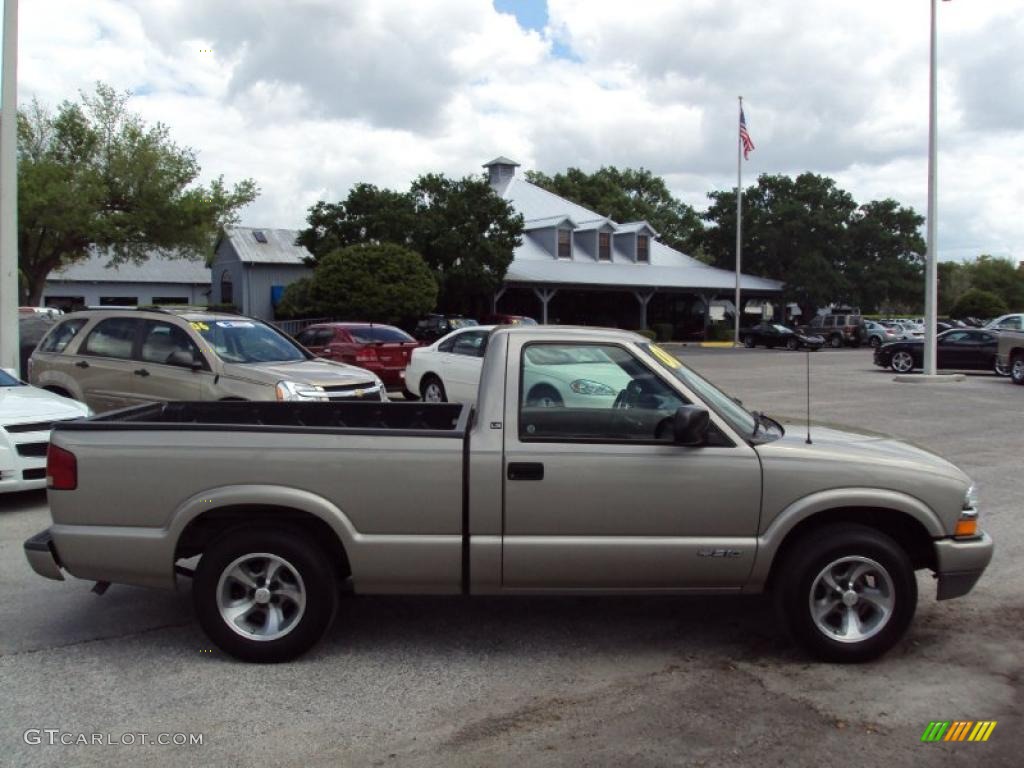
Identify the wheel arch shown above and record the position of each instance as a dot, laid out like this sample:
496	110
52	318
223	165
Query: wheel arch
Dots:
911	523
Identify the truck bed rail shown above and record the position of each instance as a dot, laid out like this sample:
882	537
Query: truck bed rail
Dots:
413	419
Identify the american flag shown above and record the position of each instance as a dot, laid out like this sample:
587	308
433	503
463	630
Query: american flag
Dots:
748	145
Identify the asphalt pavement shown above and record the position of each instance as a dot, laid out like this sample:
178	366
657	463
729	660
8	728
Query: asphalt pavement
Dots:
550	681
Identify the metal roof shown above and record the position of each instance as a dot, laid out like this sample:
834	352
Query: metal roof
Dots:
588	273
550	221
500	160
159	267
668	267
280	247
635	226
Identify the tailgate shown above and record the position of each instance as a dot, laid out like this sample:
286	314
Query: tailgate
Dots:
397	353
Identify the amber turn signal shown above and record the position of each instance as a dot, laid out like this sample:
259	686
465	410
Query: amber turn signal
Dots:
967	527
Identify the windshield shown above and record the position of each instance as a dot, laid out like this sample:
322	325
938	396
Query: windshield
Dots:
461	322
6	380
739	417
372	334
246	341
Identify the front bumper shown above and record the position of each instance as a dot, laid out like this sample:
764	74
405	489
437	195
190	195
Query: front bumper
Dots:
960	563
42	556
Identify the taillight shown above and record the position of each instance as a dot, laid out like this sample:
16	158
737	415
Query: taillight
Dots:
366	355
61	469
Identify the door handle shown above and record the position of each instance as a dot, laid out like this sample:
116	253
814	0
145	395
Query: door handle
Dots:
81	364
142	372
519	470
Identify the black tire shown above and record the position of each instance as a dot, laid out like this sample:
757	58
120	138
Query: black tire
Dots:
544	396
835	341
810	557
1017	368
748	342
792	344
429	381
318	587
409	395
875	342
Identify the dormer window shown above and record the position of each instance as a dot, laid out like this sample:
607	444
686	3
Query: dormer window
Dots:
604	246
564	244
643	248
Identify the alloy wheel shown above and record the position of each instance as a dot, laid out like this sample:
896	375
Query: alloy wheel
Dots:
261	596
432	393
902	362
852	599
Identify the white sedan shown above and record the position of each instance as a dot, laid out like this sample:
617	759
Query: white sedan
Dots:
26	414
449	371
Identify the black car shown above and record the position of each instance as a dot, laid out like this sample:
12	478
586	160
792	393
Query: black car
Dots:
960	349
433	327
777	335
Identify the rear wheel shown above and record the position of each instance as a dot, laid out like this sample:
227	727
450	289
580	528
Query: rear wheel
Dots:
847	593
748	342
792	343
409	395
875	342
544	396
835	341
902	362
433	390
1000	370
1017	368
264	594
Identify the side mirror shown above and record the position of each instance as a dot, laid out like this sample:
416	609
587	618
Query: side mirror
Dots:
690	425
183	359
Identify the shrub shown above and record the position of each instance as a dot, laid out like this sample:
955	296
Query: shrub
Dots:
720	332
978	303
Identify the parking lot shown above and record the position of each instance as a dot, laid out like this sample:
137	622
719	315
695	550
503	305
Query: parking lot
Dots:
531	681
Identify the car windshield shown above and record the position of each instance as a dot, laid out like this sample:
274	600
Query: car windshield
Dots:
246	341
6	380
461	322
739	417
373	334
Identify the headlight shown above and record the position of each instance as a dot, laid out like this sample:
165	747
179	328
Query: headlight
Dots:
967	525
588	387
971	497
294	390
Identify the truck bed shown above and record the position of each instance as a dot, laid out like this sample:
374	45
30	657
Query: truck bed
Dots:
412	419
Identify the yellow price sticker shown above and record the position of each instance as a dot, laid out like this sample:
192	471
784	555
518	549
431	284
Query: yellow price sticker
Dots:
663	357
200	326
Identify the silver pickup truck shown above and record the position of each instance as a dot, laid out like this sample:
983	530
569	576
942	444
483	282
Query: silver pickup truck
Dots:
641	477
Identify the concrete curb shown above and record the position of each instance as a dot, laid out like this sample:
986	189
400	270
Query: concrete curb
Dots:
920	378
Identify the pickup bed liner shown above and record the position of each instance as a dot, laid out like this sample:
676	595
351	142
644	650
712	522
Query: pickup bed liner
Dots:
424	419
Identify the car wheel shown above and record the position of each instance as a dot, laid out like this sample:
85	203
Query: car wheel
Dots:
748	342
847	593
792	343
835	341
902	362
875	342
1017	368
544	396
409	395
1000	370
265	594
433	390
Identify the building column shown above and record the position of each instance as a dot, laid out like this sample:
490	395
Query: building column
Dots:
545	295
644	297
496	298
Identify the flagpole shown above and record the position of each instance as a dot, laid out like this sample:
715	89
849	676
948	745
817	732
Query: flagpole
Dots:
739	217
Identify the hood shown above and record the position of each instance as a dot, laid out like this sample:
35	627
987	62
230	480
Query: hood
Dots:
839	458
316	371
23	404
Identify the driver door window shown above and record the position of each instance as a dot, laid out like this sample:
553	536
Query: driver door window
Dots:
574	392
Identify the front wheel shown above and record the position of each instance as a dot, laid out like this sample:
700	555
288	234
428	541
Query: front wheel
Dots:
902	362
1017	368
847	593
1000	370
748	342
265	594
792	344
875	342
433	390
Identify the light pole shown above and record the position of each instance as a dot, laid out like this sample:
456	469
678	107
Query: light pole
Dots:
9	190
931	292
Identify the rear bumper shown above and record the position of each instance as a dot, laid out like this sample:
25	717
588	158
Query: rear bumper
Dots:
960	563
42	556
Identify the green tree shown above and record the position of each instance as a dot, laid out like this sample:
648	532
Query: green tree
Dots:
368	215
884	261
954	282
793	230
630	195
94	174
978	304
297	301
999	276
383	283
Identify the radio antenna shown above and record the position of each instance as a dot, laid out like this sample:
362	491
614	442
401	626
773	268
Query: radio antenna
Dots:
808	395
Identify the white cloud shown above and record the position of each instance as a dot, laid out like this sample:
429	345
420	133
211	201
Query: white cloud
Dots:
311	96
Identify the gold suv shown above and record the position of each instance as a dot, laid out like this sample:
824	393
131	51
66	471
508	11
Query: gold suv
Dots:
114	358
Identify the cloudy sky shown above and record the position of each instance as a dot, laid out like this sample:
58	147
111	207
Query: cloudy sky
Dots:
311	96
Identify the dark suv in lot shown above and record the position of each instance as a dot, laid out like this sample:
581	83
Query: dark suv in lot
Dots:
433	327
839	329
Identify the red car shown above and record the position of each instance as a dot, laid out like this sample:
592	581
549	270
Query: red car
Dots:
382	349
